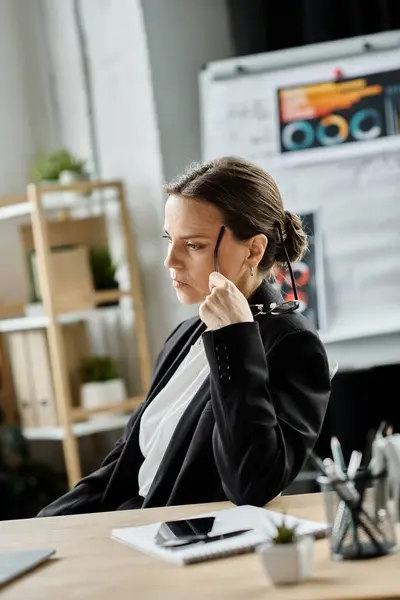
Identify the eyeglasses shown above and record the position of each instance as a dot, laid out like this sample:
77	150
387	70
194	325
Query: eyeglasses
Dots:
274	308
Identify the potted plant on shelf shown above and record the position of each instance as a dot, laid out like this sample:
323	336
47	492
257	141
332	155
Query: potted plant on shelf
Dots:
103	271
287	558
101	384
60	166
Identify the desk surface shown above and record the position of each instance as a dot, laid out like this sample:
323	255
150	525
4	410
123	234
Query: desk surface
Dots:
89	565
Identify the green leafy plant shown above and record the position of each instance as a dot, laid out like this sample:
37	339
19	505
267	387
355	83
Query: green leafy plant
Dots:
48	166
284	534
103	269
97	369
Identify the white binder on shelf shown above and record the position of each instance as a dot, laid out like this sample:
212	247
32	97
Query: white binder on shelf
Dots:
43	392
22	378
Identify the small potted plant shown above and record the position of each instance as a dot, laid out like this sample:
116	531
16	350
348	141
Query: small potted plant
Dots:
103	271
59	167
101	383
287	558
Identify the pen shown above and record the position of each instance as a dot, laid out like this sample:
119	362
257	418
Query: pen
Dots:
338	455
204	539
354	464
317	462
381	429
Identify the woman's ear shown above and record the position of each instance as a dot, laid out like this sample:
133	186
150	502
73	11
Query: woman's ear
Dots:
257	245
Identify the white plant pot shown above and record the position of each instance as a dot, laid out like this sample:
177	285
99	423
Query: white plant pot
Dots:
288	563
96	395
34	309
70	177
63	200
69	199
52	199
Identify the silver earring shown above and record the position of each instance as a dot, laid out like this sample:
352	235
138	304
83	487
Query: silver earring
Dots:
251	270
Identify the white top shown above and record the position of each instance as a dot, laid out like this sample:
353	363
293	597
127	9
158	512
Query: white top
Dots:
161	417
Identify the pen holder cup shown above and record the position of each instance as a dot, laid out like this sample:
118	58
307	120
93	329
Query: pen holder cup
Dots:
364	529
331	499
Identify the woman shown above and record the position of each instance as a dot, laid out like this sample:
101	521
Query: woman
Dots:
238	396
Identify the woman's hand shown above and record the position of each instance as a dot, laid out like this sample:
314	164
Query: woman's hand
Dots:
225	305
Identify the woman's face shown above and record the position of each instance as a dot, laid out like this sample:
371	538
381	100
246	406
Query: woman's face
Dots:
192	228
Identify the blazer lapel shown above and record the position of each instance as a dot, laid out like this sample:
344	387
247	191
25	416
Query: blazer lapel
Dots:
169	363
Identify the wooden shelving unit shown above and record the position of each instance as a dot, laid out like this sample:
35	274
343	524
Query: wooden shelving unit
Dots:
71	418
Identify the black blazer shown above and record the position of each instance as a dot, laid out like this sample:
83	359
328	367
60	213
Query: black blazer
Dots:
245	435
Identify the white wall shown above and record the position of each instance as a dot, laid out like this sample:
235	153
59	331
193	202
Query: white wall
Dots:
62	78
182	35
16	141
125	119
144	59
16	146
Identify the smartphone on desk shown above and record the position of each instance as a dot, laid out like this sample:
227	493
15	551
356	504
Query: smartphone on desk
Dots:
177	534
185	530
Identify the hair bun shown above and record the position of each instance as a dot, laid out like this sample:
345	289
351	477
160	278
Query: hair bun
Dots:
295	239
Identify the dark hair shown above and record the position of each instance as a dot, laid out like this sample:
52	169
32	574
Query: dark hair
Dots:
250	203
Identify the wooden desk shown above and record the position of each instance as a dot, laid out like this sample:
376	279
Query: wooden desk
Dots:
89	565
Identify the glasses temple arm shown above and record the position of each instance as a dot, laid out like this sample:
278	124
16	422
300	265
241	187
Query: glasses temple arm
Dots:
221	233
288	262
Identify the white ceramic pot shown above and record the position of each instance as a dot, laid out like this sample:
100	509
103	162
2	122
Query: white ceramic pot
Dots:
34	309
288	563
51	199
115	391
71	199
98	394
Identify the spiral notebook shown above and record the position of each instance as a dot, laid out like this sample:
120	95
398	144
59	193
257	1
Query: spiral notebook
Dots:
261	522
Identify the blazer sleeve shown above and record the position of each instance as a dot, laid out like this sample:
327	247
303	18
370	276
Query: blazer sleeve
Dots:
87	495
268	409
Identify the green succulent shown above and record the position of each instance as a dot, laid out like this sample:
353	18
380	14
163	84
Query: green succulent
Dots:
103	268
97	369
284	534
48	166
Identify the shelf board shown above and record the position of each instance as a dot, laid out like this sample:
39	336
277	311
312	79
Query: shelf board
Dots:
80	186
12	200
130	404
89	427
23	323
41	321
11	211
110	295
105	422
19	206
